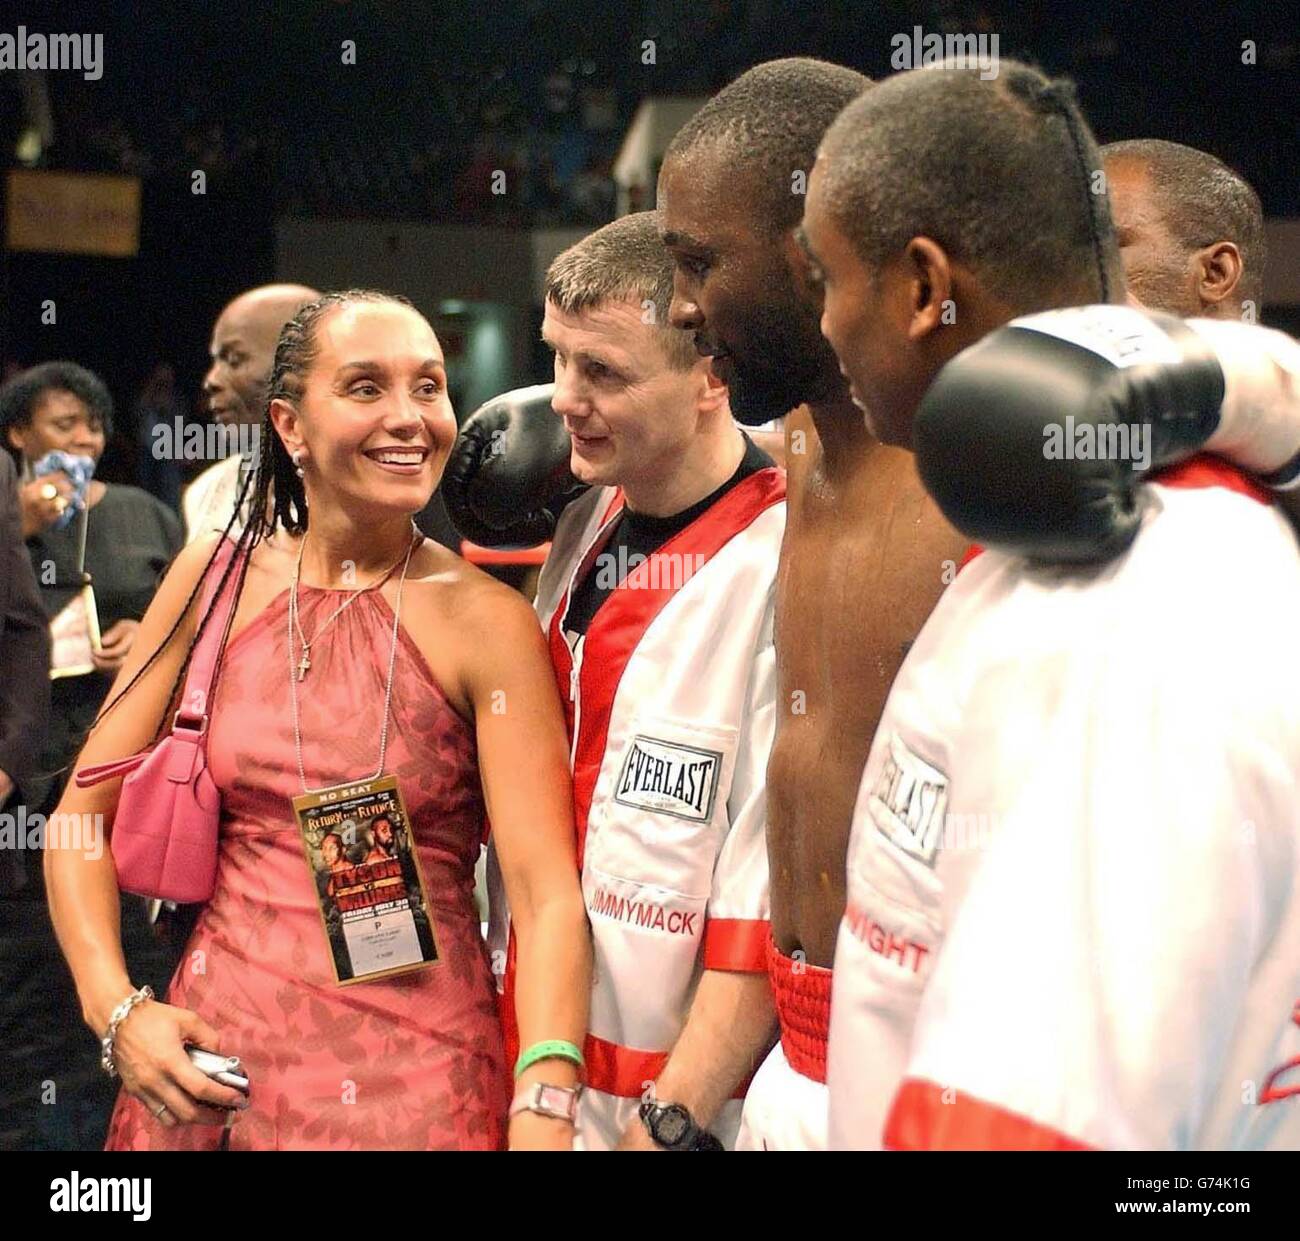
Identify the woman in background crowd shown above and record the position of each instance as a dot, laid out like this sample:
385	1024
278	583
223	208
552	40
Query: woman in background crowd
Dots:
130	537
129	540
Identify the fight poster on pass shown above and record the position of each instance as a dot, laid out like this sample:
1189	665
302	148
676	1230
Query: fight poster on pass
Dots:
372	896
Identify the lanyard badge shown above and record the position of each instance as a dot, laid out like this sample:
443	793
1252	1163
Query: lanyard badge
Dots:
369	888
358	841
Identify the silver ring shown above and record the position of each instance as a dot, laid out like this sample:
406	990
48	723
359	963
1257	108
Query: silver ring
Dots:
162	1107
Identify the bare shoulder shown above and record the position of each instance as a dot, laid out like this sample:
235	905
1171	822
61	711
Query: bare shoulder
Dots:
271	561
179	585
466	622
456	590
193	558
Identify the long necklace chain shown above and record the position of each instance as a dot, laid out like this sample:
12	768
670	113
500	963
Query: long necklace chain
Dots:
304	664
388	689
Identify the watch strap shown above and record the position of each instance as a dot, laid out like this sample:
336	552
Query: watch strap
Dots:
696	1137
556	1102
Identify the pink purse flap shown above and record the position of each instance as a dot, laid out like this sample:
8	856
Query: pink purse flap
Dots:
184	756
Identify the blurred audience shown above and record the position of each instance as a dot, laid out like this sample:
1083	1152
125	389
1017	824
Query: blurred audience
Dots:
121	539
242	352
555	145
158	405
24	656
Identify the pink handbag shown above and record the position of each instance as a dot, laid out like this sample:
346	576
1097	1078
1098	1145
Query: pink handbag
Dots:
164	837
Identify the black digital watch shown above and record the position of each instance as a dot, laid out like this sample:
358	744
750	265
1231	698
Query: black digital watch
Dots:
672	1128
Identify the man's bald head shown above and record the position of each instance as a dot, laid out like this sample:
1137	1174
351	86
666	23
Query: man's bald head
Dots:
1191	230
731	188
270	306
243	349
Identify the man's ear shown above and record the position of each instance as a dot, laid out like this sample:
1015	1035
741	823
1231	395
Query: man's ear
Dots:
287	424
1218	271
712	390
811	294
16	438
929	275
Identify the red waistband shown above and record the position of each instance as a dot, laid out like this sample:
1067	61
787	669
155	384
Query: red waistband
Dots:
803	1007
624	1071
628	1072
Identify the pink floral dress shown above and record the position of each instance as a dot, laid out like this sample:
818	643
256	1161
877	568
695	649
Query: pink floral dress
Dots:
414	1062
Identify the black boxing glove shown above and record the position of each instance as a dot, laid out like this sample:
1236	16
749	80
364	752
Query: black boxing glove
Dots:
508	478
1036	439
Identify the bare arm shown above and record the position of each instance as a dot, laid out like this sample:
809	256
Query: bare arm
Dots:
730	1028
83	890
523	753
82	882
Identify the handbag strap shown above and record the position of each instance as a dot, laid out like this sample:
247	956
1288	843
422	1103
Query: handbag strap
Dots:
205	659
204	665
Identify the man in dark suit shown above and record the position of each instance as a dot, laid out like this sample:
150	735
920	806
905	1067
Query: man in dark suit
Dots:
24	717
24	653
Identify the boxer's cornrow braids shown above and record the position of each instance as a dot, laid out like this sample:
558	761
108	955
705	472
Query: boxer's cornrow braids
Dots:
1059	96
278	497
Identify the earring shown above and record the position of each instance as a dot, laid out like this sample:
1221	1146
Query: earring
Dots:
297	461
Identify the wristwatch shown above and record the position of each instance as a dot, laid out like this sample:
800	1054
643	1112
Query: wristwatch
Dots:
672	1128
557	1102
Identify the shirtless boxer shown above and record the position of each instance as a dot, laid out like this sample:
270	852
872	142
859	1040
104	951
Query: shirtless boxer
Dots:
1190	230
866	553
242	350
1071	913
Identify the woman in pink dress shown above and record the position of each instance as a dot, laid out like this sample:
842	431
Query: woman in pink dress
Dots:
358	430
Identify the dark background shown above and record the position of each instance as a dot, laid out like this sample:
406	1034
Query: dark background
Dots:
256	95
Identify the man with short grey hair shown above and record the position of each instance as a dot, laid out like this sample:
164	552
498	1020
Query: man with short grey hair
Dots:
1190	230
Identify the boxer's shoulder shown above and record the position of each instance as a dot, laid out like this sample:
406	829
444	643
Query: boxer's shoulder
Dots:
1210	585
1218	563
1214	544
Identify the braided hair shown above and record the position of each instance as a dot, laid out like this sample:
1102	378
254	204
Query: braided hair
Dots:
1059	95
273	492
990	170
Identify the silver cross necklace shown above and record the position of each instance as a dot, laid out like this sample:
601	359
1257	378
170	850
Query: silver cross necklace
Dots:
304	664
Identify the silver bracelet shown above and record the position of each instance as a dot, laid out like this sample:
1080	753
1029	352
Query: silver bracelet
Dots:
118	1016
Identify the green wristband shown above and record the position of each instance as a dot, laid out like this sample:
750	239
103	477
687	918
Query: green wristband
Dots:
549	1049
